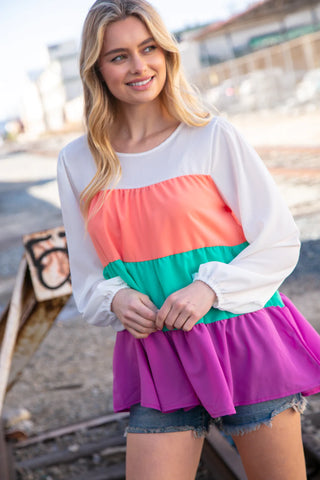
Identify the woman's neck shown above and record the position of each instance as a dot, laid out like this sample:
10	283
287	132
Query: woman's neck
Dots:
141	127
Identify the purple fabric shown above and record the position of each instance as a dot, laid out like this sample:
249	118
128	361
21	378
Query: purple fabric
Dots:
260	356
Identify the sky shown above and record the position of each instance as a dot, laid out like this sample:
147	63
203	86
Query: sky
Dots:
28	26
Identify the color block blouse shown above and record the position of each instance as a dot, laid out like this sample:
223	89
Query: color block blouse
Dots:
201	205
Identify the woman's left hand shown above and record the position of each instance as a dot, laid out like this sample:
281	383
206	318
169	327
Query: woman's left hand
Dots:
183	308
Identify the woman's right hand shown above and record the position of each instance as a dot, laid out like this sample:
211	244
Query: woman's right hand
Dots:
135	311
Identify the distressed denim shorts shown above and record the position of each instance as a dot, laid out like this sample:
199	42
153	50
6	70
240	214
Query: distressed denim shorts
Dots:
247	418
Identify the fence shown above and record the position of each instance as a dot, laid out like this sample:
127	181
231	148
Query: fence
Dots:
294	57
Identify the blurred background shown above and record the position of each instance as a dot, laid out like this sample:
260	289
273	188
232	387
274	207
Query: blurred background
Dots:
256	62
243	55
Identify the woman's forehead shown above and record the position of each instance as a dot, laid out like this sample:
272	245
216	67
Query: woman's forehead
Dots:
125	32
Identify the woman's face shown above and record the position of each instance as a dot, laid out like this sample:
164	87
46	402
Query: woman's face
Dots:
131	63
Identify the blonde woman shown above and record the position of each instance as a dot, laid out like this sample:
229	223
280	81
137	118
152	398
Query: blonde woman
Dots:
179	239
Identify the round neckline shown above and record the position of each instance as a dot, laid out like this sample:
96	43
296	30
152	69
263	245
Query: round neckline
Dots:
157	147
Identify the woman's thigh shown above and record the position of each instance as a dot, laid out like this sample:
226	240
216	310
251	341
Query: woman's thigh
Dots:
163	456
274	452
162	446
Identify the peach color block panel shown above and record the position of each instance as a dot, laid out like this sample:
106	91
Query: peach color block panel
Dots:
169	217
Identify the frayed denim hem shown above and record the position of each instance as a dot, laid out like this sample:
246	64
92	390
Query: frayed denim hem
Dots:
246	419
241	430
298	404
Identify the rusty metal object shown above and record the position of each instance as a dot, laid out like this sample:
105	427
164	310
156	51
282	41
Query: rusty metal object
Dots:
32	333
34	323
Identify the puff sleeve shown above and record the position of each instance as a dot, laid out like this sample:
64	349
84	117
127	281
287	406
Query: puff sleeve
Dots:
92	293
252	277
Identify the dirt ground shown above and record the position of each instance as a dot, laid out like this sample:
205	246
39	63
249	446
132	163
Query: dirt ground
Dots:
70	376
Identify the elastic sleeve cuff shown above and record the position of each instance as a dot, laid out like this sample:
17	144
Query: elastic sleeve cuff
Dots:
110	296
212	285
98	310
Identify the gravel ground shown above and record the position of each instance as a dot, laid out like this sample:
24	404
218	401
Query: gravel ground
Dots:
69	378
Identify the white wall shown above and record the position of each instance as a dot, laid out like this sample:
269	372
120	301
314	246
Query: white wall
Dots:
217	46
60	50
53	96
296	19
190	58
67	55
32	111
69	65
44	100
242	37
74	110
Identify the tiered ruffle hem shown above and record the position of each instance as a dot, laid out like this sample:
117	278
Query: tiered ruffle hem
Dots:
251	358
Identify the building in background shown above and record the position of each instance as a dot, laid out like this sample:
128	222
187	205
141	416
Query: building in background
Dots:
67	55
264	24
269	55
52	98
43	100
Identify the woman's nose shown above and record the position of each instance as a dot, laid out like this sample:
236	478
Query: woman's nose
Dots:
137	64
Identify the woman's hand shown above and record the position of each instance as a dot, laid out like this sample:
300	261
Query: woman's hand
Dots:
183	308
135	311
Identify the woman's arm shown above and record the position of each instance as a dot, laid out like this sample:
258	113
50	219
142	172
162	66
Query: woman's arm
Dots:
92	293
248	281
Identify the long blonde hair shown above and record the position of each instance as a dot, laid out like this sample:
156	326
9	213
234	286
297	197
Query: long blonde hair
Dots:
178	97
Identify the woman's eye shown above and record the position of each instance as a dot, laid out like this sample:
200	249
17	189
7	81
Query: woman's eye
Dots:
150	48
118	58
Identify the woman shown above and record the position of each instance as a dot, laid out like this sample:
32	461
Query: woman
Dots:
188	242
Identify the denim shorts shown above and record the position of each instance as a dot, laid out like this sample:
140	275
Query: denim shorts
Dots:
247	417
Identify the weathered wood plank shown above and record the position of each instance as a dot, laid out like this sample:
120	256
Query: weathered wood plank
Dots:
11	330
113	472
59	432
28	303
67	456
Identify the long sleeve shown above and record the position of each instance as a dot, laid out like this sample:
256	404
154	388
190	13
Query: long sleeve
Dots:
92	293
252	277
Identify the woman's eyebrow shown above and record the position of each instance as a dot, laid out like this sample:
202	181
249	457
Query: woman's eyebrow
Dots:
118	50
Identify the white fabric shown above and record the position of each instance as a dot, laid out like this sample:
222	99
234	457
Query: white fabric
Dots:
247	283
92	293
217	149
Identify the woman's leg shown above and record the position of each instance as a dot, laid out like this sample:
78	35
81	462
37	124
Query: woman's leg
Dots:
274	453
163	456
